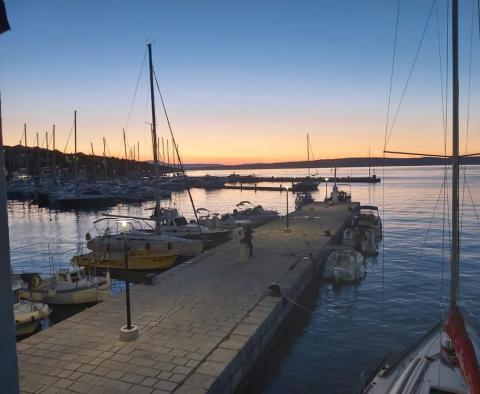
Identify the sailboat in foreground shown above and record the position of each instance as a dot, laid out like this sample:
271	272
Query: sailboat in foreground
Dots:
445	360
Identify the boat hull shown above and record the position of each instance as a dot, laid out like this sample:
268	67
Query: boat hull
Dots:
86	295
137	260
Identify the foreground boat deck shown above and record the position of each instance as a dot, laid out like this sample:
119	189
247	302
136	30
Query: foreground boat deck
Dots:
202	324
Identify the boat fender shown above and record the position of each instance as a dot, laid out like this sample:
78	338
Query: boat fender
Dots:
107	248
328	233
274	290
88	237
147	246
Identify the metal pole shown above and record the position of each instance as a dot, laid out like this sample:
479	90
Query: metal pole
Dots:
154	134
9	371
53	155
75	163
326	189
26	146
104	158
127	281
288	224
455	254
125	149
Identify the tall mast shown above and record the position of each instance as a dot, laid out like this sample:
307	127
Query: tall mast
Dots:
54	164
154	128
168	154
46	144
308	153
455	253
125	149
104	158
369	164
75	162
26	146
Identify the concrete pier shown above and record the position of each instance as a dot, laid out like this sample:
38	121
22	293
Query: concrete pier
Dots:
202	324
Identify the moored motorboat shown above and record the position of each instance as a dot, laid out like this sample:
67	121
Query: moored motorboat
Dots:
111	236
67	287
344	265
303	199
28	315
142	260
256	214
362	239
368	215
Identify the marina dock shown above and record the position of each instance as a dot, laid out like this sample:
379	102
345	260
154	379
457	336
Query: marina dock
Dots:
203	324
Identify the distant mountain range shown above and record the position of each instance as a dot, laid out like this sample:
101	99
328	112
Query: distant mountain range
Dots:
343	162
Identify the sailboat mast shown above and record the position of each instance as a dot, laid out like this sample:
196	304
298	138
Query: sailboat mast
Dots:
126	157
53	155
75	162
308	154
154	127
455	257
26	146
105	158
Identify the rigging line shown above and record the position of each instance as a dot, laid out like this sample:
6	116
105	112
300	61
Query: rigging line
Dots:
136	89
384	148
441	69
176	150
468	115
430	224
411	72
443	248
391	76
473	204
68	139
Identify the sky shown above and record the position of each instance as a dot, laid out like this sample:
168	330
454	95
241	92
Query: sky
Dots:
243	81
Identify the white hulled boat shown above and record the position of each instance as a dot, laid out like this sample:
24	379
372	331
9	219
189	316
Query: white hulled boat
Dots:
68	286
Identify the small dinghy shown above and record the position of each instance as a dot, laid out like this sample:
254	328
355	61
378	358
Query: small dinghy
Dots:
362	239
344	265
71	286
29	316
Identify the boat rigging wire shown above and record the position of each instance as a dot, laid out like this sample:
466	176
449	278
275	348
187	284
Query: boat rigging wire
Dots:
387	139
136	89
384	148
69	136
176	150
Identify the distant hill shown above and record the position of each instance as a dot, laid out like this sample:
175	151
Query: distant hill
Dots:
343	162
17	157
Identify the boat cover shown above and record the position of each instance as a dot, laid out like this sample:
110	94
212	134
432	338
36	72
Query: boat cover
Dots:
464	350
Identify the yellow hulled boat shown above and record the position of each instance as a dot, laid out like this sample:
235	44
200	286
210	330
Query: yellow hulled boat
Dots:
137	260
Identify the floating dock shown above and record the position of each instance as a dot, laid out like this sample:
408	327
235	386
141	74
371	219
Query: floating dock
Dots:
203	325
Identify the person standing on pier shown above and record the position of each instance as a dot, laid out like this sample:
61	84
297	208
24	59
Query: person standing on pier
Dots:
248	239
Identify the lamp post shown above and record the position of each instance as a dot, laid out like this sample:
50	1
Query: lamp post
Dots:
130	331
326	189
287	229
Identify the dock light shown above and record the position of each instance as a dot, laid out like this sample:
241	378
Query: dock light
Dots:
287	230
326	188
130	331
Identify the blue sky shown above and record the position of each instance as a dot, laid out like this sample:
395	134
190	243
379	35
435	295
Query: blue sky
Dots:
243	81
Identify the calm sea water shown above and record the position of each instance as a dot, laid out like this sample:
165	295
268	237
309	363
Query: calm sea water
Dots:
352	328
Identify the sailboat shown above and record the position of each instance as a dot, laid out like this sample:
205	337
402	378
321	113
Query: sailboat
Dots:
309	184
79	195
446	359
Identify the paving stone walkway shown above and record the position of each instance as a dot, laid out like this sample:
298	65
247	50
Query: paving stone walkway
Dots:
196	321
